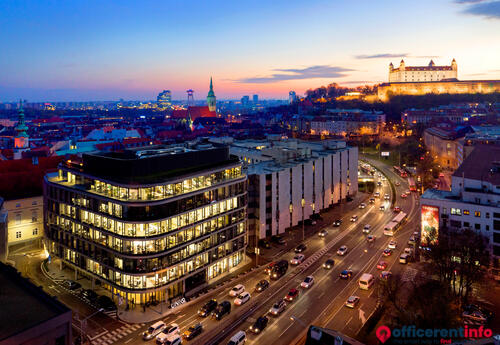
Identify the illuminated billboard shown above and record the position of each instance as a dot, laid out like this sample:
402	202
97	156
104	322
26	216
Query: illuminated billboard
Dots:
385	154
430	225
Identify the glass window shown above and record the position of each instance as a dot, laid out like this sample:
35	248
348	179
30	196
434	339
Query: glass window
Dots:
477	214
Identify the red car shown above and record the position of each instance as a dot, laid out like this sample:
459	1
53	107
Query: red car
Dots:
292	294
397	209
387	252
382	265
404	195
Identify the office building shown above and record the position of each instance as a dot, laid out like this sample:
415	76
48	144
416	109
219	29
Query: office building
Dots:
150	224
245	100
255	99
292	97
164	99
473	202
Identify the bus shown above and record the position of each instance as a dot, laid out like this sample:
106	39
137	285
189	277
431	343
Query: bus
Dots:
412	185
392	227
400	172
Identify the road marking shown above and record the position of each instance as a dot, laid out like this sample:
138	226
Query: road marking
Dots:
128	341
286	329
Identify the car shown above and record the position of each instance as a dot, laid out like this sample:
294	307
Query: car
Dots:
71	285
300	248
222	309
346	274
371	201
404	195
278	239
89	295
371	238
292	294
342	250
337	222
407	192
382	208
387	252
235	291
367	228
379	183
411	240
393	244
329	264
323	233
193	331
398	183
416	234
242	298
397	209
238	339
269	268
207	308
264	244
308	282
382	265
408	251
154	330
106	303
474	307
313	222
362	205
387	197
441	175
354	218
172	330
278	307
297	259
165	339
259	325
385	275
262	285
475	316
352	301
376	194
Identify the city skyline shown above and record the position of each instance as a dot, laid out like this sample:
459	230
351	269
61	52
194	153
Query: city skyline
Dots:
82	51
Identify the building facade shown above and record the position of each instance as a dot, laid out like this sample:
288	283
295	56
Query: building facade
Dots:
445	145
422	73
149	224
164	99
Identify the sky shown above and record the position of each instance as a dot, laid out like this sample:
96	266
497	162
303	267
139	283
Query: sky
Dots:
106	50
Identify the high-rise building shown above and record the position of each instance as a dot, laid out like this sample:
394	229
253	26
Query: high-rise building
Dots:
211	100
255	99
245	100
149	224
292	97
164	99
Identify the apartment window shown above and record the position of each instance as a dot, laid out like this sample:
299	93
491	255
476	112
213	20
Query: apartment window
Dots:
487	215
496	215
487	227
466	224
456	211
34	217
35	231
477	214
477	226
18	234
466	212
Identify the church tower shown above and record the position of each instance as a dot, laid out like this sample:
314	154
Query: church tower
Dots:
21	141
211	100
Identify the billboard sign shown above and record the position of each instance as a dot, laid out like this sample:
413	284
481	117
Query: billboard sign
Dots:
385	153
430	225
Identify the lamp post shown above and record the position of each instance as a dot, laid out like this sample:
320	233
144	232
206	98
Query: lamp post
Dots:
85	320
303	220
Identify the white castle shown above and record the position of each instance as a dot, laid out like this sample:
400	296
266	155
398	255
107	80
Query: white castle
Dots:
409	74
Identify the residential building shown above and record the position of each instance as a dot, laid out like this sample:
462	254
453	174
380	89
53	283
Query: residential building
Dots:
31	316
444	144
150	224
290	180
422	73
3	232
480	135
473	202
348	122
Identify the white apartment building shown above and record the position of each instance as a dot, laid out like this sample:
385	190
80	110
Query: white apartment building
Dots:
473	202
289	180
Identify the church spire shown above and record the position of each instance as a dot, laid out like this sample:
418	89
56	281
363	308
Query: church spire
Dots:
211	100
21	127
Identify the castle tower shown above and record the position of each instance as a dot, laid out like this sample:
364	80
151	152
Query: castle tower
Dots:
402	65
432	64
211	100
21	141
454	65
391	67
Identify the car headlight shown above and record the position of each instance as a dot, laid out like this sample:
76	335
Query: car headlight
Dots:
256	330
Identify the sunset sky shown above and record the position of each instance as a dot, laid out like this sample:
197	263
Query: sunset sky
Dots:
105	50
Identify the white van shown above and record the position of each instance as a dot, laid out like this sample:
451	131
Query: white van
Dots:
366	281
238	339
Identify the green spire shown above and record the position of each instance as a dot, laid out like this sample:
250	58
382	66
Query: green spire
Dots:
21	127
211	91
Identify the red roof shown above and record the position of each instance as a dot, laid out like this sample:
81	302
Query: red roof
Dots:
194	111
54	119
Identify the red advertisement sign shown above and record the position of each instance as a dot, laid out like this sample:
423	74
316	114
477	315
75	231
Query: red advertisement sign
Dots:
430	224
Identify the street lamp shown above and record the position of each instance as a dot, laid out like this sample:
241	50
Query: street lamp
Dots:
303	225
85	320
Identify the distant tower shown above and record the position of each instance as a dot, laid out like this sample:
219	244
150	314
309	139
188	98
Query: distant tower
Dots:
190	94
402	65
391	67
292	97
211	100
432	64
454	65
21	141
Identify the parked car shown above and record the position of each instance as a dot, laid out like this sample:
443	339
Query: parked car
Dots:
323	233
300	248
485	312
235	291
277	307
376	194
342	250
346	274
278	239
292	294
370	238
106	303
242	298
259	325
208	308
308	282
298	259
71	285
387	252
193	331
354	218
329	264
352	301
262	285
475	316
411	240
337	222
154	330
382	265
89	295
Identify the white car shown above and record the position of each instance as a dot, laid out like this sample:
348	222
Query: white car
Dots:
342	250
377	194
387	197
409	251
362	205
235	291
170	332
367	228
323	233
393	244
308	282
154	330
242	298
354	218
168	340
298	259
352	301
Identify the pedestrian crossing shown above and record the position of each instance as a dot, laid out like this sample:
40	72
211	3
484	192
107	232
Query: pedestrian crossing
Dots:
116	335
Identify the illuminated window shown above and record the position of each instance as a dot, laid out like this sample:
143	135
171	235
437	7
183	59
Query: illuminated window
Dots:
456	211
466	212
477	214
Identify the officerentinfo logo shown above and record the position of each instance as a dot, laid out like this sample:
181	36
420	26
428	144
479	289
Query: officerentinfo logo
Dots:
383	333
